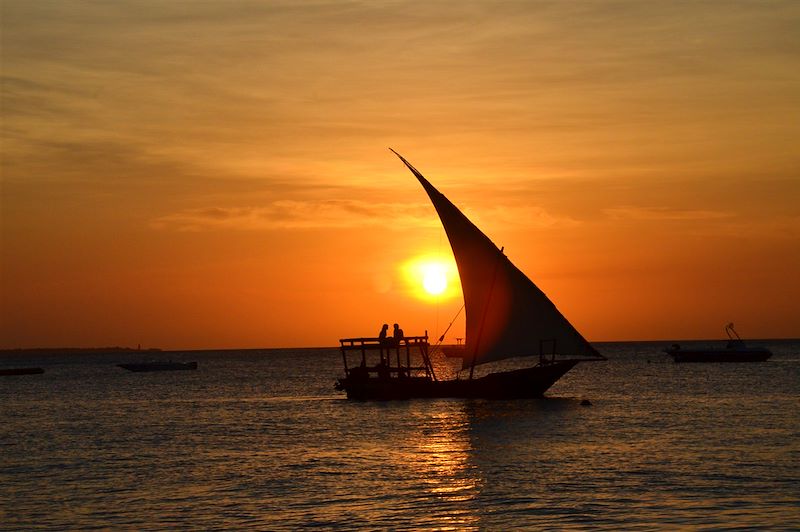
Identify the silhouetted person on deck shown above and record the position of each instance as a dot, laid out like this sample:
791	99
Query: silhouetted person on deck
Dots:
383	340
382	369
398	334
360	371
383	333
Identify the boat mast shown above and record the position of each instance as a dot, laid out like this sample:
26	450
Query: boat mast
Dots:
729	329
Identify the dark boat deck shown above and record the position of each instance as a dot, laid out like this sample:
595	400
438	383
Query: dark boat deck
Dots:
383	381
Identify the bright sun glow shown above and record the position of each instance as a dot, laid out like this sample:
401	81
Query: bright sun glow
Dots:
431	277
434	279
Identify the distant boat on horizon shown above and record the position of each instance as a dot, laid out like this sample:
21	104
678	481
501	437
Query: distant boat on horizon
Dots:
159	366
507	316
5	372
735	350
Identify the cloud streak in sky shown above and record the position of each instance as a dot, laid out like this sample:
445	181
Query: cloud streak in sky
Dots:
664	214
340	214
295	215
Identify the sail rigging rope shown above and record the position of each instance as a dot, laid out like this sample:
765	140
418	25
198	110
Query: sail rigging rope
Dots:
441	338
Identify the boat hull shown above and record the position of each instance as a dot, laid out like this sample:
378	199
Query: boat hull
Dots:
755	354
159	366
517	384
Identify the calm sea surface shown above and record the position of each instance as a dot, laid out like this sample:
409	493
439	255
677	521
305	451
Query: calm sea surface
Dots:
260	439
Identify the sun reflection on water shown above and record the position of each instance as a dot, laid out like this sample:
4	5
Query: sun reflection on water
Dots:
440	457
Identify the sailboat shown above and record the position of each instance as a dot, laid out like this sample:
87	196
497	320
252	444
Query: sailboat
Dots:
507	316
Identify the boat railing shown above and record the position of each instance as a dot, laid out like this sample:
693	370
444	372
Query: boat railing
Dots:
394	356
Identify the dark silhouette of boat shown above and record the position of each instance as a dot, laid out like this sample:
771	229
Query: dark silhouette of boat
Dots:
159	366
735	350
507	316
20	371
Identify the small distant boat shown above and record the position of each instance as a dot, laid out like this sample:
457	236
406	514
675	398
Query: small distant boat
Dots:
459	350
20	371
734	351
159	366
507	316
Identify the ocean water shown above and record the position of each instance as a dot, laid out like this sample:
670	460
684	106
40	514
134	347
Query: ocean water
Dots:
260	439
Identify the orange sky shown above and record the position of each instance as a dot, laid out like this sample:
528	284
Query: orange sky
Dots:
211	175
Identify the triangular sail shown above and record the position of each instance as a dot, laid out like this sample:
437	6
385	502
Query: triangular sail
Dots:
507	314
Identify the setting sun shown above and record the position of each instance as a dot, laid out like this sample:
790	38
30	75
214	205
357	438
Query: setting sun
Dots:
434	279
430	276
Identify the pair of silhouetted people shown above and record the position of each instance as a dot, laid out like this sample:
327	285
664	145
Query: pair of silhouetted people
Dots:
397	335
383	369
